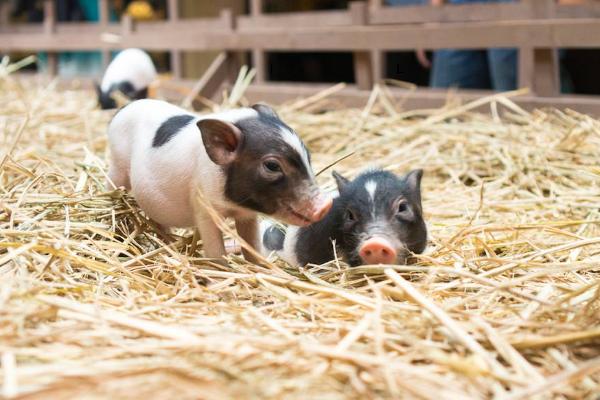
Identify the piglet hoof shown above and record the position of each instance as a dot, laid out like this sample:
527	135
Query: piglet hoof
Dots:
231	246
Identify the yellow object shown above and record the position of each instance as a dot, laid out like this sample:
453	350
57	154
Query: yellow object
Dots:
140	10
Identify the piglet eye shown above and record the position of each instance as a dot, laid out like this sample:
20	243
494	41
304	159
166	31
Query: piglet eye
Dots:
350	216
272	166
402	207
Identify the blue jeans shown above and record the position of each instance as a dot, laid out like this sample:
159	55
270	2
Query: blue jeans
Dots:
475	69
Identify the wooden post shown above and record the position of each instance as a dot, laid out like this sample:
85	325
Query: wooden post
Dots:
105	58
539	71
176	55
546	76
103	20
226	16
49	29
378	59
542	8
4	13
49	17
234	58
103	12
525	68
126	25
173	10
375	3
258	54
378	62
259	59
53	64
363	66
256	7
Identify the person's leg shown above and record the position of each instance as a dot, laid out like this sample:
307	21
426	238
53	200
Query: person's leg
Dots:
503	68
466	69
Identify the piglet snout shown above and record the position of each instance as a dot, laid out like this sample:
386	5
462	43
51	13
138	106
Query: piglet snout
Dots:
377	250
320	208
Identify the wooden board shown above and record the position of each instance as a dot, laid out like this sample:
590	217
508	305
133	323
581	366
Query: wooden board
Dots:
192	35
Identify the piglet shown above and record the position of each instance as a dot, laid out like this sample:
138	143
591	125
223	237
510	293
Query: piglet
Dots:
131	72
244	161
376	219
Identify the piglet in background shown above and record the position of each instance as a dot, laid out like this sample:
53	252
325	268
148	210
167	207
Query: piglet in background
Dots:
245	161
376	219
131	72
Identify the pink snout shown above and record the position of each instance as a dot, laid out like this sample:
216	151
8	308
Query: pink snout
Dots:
377	250
321	208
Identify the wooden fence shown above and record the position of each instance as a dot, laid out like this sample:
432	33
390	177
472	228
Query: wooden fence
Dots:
368	29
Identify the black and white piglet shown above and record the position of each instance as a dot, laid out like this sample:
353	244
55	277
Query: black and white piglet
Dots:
244	161
131	72
376	219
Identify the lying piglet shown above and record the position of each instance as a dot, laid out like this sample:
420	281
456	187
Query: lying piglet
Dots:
131	72
244	161
377	219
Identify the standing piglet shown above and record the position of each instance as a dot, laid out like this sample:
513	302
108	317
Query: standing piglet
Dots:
377	219
244	161
131	72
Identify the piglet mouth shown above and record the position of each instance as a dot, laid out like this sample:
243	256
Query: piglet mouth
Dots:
313	211
299	217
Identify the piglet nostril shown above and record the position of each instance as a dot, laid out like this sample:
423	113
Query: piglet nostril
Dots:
377	250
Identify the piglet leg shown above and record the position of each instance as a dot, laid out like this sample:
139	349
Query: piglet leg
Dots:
247	229
212	238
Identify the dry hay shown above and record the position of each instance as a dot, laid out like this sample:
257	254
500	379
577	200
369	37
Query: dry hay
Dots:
505	303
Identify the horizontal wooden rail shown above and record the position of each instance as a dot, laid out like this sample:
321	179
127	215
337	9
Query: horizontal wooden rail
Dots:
516	11
450	13
572	33
422	98
294	20
352	96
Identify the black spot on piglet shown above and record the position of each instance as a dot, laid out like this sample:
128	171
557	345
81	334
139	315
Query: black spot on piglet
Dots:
169	128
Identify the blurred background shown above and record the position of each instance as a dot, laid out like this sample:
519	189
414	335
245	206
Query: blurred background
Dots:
491	69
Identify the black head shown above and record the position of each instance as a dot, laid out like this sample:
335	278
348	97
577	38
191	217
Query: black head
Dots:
267	167
106	100
379	217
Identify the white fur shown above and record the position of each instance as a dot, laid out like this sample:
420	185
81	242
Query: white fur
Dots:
371	188
288	253
294	141
164	179
132	65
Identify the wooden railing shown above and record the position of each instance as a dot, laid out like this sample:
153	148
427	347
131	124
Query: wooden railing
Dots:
368	29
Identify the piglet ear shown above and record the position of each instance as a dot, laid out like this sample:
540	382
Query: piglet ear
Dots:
264	109
340	181
413	185
221	140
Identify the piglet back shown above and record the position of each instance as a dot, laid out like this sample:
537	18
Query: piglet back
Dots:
133	66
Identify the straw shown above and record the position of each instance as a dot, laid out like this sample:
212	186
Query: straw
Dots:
96	302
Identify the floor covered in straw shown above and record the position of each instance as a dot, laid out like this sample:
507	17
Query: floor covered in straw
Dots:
505	303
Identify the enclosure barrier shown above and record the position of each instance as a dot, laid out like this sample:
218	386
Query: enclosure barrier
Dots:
368	29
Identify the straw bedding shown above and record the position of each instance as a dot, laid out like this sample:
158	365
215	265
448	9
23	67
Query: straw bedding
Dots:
505	303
